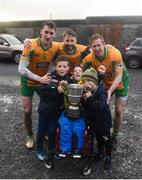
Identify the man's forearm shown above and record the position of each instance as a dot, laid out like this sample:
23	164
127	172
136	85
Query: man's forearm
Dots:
26	72
115	83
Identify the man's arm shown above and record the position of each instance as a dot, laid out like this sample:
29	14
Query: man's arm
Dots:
26	72
114	85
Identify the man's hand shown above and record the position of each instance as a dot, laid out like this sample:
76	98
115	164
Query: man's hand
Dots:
27	43
102	69
46	79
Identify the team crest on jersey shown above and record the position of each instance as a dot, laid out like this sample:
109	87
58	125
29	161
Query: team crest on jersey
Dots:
44	56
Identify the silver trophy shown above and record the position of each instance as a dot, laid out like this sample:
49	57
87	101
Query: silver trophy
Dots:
75	92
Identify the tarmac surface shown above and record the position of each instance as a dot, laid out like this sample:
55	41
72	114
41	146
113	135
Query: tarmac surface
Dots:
16	162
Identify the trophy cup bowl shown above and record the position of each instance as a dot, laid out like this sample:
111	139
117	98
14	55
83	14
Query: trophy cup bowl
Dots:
75	92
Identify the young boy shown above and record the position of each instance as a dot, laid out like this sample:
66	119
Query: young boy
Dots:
51	101
70	126
99	114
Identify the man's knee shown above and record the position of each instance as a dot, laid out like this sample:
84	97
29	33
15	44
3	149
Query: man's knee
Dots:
27	110
118	111
120	105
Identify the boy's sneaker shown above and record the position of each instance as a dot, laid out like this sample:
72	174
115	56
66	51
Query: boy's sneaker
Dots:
107	163
99	155
30	142
49	161
46	137
41	155
63	154
77	154
114	143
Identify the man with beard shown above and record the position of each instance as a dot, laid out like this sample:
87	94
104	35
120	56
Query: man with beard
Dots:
69	47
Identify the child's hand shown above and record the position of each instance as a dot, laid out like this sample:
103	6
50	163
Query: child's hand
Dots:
63	83
87	95
60	89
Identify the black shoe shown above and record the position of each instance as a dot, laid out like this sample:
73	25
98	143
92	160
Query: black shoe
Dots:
77	154
114	143
100	155
49	161
107	163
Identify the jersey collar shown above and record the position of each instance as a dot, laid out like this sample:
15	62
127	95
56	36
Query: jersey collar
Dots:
70	52
101	58
40	44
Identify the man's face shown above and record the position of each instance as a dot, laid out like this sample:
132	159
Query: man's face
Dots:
47	34
69	42
98	47
62	68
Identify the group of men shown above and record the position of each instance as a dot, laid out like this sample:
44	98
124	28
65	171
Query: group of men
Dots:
41	52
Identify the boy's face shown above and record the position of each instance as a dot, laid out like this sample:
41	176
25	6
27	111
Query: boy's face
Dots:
47	34
77	73
62	68
69	42
89	83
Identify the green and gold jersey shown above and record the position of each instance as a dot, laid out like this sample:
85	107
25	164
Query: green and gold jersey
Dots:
75	57
38	58
113	63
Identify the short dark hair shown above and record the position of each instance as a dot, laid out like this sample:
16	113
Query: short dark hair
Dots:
96	36
62	58
78	66
49	23
70	33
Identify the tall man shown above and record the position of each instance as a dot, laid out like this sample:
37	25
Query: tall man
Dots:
116	77
33	67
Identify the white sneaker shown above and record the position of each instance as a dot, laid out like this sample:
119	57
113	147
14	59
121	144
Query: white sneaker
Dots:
30	142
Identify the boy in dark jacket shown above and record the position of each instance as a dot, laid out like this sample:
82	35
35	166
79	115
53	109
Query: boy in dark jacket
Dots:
51	100
98	114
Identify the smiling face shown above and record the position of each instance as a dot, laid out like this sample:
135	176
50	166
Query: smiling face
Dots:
98	47
47	34
77	73
88	83
62	68
69	42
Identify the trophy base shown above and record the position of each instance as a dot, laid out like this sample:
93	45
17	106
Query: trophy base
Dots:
73	113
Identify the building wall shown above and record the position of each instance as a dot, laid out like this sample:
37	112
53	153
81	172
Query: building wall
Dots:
118	31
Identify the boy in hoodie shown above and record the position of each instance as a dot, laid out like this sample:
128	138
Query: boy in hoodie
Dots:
98	114
51	100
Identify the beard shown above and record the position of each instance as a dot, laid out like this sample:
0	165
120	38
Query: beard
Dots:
70	48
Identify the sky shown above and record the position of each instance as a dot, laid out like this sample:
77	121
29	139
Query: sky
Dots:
17	10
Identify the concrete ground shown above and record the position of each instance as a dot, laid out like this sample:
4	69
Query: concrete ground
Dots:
16	162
